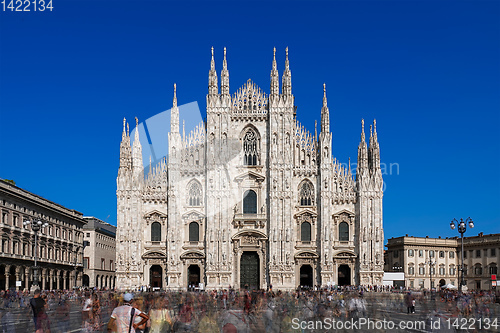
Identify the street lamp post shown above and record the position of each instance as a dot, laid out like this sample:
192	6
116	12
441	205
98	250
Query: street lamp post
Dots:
431	263
36	226
462	228
85	244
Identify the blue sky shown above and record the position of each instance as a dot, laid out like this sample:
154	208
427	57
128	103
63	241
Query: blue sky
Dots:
428	71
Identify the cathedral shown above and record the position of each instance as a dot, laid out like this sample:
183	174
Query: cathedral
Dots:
249	199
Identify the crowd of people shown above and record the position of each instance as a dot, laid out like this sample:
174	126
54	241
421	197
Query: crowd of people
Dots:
228	310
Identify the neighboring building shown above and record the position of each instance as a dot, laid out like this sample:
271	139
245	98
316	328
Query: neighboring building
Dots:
250	198
413	255
59	244
99	256
481	259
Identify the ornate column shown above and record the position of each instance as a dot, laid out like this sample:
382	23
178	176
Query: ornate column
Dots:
65	280
18	274
58	279
26	279
51	279
7	275
71	279
44	279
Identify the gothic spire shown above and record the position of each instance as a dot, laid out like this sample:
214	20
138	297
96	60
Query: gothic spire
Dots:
124	133
375	139
374	150
174	114
213	88
315	131
371	135
136	135
349	171
275	66
275	85
362	151
224	77
212	62
363	131
174	102
137	148
287	78
325	113
125	151
287	63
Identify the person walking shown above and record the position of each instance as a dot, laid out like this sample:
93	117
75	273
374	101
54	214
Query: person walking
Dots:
96	313
410	303
87	313
123	317
40	317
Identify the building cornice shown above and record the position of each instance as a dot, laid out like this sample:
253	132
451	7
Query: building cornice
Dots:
27	196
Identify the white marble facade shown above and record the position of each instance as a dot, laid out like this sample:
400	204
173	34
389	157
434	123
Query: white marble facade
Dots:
249	198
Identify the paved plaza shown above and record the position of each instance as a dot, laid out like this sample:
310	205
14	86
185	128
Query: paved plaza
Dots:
269	312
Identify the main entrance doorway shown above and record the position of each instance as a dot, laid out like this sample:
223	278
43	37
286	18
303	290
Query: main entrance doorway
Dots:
85	280
155	276
344	274
249	270
193	275
306	276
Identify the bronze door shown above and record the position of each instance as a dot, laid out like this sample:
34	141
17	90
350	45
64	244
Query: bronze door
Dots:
249	270
344	273
155	276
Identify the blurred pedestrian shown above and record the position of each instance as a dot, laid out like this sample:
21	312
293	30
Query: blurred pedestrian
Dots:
122	318
86	310
409	300
96	313
7	322
40	318
62	315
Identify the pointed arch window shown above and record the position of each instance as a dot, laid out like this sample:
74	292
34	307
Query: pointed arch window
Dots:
306	194
194	194
194	232
305	232
155	232
250	202
343	232
250	148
